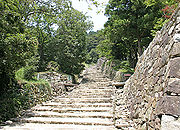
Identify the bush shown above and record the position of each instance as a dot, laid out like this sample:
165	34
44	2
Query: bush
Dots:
123	66
28	72
53	66
23	94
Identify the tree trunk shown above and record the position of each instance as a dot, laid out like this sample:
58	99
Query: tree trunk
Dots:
140	51
41	54
132	58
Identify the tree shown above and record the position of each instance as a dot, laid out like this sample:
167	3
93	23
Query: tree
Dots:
17	48
68	46
129	27
41	19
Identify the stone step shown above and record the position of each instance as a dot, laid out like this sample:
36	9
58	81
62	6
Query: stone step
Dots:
102	80
90	96
88	106
75	121
99	85
72	115
123	125
97	88
60	105
69	109
35	126
83	100
91	93
93	90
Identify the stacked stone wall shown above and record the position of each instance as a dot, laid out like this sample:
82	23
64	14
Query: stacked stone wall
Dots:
153	92
106	67
57	82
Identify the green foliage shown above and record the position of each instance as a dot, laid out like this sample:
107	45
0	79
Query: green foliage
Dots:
16	51
104	49
23	95
130	27
21	74
68	47
28	72
164	17
94	39
53	66
92	56
123	66
32	34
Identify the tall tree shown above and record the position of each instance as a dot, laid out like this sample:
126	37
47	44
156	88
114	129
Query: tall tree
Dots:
68	47
16	47
129	27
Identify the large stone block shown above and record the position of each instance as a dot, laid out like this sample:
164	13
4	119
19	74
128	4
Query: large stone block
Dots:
173	87
174	68
169	105
175	50
169	123
177	37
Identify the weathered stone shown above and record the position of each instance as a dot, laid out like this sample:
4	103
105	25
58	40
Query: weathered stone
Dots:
169	105
178	28
173	87
171	30
178	20
151	124
163	59
177	37
167	118
158	127
165	39
157	120
174	68
119	76
151	87
175	50
155	79
169	123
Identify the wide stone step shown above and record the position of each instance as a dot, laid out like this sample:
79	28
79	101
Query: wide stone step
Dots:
93	90
35	126
90	96
66	109
101	80
60	105
97	88
92	93
75	121
72	115
83	100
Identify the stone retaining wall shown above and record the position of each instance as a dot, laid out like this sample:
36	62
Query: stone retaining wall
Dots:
106	67
56	81
153	92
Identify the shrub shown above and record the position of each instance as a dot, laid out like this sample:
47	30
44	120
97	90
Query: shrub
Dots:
28	72
23	94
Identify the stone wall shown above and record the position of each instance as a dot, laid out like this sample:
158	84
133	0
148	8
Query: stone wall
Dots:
57	82
153	92
106	67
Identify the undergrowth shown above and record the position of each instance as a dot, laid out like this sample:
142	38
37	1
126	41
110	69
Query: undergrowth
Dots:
24	93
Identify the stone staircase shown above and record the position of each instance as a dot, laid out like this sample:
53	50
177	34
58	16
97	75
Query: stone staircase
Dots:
89	106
